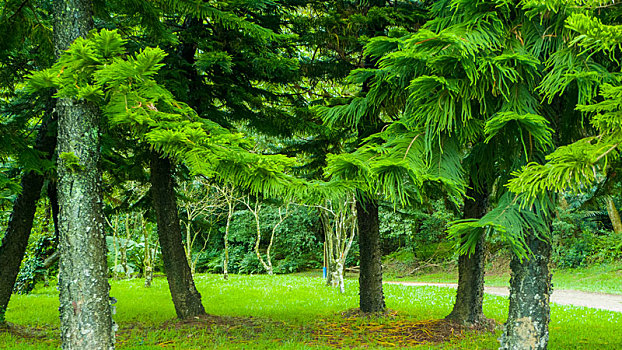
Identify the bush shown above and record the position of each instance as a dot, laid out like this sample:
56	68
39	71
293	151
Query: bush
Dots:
422	230
573	252
296	247
607	247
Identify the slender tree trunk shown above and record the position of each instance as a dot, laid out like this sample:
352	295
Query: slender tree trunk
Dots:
614	215
148	257
370	278
186	298
229	197
468	308
530	290
20	223
85	314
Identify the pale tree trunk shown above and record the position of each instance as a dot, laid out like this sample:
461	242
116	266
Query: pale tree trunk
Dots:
614	214
186	298
85	314
128	235
198	201
530	290
468	308
371	295
148	256
339	224
282	217
255	210
115	230
225	263
189	242
15	239
229	196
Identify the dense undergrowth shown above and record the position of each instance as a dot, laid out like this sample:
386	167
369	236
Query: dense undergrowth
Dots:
294	312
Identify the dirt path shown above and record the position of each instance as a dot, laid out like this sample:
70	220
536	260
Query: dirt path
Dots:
603	301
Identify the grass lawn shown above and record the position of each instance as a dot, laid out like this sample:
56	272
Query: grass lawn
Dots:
294	312
605	278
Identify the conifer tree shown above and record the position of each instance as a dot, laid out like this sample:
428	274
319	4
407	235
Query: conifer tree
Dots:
470	76
353	22
18	115
83	278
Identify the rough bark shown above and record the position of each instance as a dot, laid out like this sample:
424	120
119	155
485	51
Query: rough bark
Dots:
86	321
614	215
468	308
186	298
85	314
530	290
18	229
371	296
53	196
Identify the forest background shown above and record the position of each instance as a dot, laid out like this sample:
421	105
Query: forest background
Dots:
265	136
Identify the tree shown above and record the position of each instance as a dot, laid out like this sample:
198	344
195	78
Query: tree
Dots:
255	210
85	313
467	79
18	229
186	298
468	307
339	225
353	22
18	116
199	201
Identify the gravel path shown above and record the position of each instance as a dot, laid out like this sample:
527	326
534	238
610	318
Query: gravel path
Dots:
612	302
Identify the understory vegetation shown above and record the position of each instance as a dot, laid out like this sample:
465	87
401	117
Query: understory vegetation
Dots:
414	243
255	152
295	312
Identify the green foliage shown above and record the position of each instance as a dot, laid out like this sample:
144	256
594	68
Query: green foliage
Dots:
509	220
41	245
593	34
297	245
420	230
71	162
606	248
532	129
575	166
396	164
130	97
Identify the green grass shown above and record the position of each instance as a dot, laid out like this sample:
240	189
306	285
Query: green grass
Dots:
285	310
604	278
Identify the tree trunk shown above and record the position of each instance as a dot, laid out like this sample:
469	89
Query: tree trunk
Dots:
530	290
186	298
86	321
370	278
148	256
468	308
85	314
614	215
18	229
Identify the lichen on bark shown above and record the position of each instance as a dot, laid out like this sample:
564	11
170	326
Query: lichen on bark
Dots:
530	290
85	314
